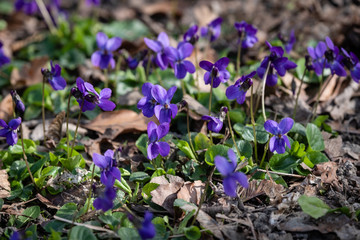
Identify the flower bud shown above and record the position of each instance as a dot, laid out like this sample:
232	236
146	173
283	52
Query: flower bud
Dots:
19	105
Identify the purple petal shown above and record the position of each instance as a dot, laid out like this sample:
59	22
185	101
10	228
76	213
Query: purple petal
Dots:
162	130
109	153
272	127
151	127
89	87
285	125
180	70
185	50
161	60
153	45
100	161
105	61
230	185
279	145
4	132
329	43
15	123
272	144
172	54
96	58
80	85
163	39
170	93
105	93
287	142
232	92
3	123
165	115
189	66
223	166
204	31
311	52
113	44
207	78
101	40
159	94
115	173
271	80
215	125
11	138
338	69
241	99
164	148
174	110
206	65
320	49
58	83
152	151
232	157
222	63
146	89
242	179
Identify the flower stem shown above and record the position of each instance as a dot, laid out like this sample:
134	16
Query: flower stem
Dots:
90	191
67	124
238	58
253	125
25	157
232	133
203	195
263	91
210	99
46	15
196	72
188	130
265	151
298	94
148	67
318	97
106	83
43	107
76	129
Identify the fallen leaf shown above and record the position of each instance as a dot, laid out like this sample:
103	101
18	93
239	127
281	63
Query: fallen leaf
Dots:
54	132
29	74
191	191
6	108
4	184
166	193
327	170
117	122
45	201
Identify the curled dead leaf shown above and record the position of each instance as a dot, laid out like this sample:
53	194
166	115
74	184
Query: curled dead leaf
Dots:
191	191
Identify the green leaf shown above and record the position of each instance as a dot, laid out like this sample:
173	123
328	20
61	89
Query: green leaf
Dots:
201	142
283	163
319	120
158	172
30	213
71	163
237	115
149	187
142	143
192	233
32	112
139	176
186	219
81	233
247	132
185	148
67	211
130	30
214	151
316	157
126	233
314	137
298	128
29	145
245	148
313	206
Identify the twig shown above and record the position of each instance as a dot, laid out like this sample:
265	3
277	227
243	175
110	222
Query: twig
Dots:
281	174
251	226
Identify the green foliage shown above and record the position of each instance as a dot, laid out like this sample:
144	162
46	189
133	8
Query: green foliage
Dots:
214	151
247	133
313	206
81	233
314	137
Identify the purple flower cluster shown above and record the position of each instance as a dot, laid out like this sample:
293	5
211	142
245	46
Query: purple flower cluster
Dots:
156	101
278	141
159	46
88	98
227	170
54	77
277	62
10	131
239	89
155	133
3	58
212	30
191	35
216	72
247	34
103	57
29	7
215	124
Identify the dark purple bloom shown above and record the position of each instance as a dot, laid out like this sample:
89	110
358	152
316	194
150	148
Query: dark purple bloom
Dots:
334	59
216	71
101	100
191	35
133	62
239	89
165	110
147	230
277	62
215	124
19	105
247	34
103	57
10	131
288	43
227	170
3	59
109	170
93	2
278	141
158	46
317	55
105	201
352	63
15	236
54	77
155	133
147	103
176	58
29	7
212	30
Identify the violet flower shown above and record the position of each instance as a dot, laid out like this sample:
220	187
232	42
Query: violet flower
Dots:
54	77
352	63
227	170
239	89
288	43
191	35
165	110
105	201
147	230
3	58
176	58
103	57
109	170
212	30
215	124
216	71
147	103
317	55
29	7
277	62
155	133
278	141
10	131
333	59
19	105
247	34
158	46
102	99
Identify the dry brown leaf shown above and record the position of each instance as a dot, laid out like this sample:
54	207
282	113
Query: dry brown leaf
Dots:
196	109
53	135
114	123
45	201
29	74
166	193
6	108
327	170
4	184
191	191
268	187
